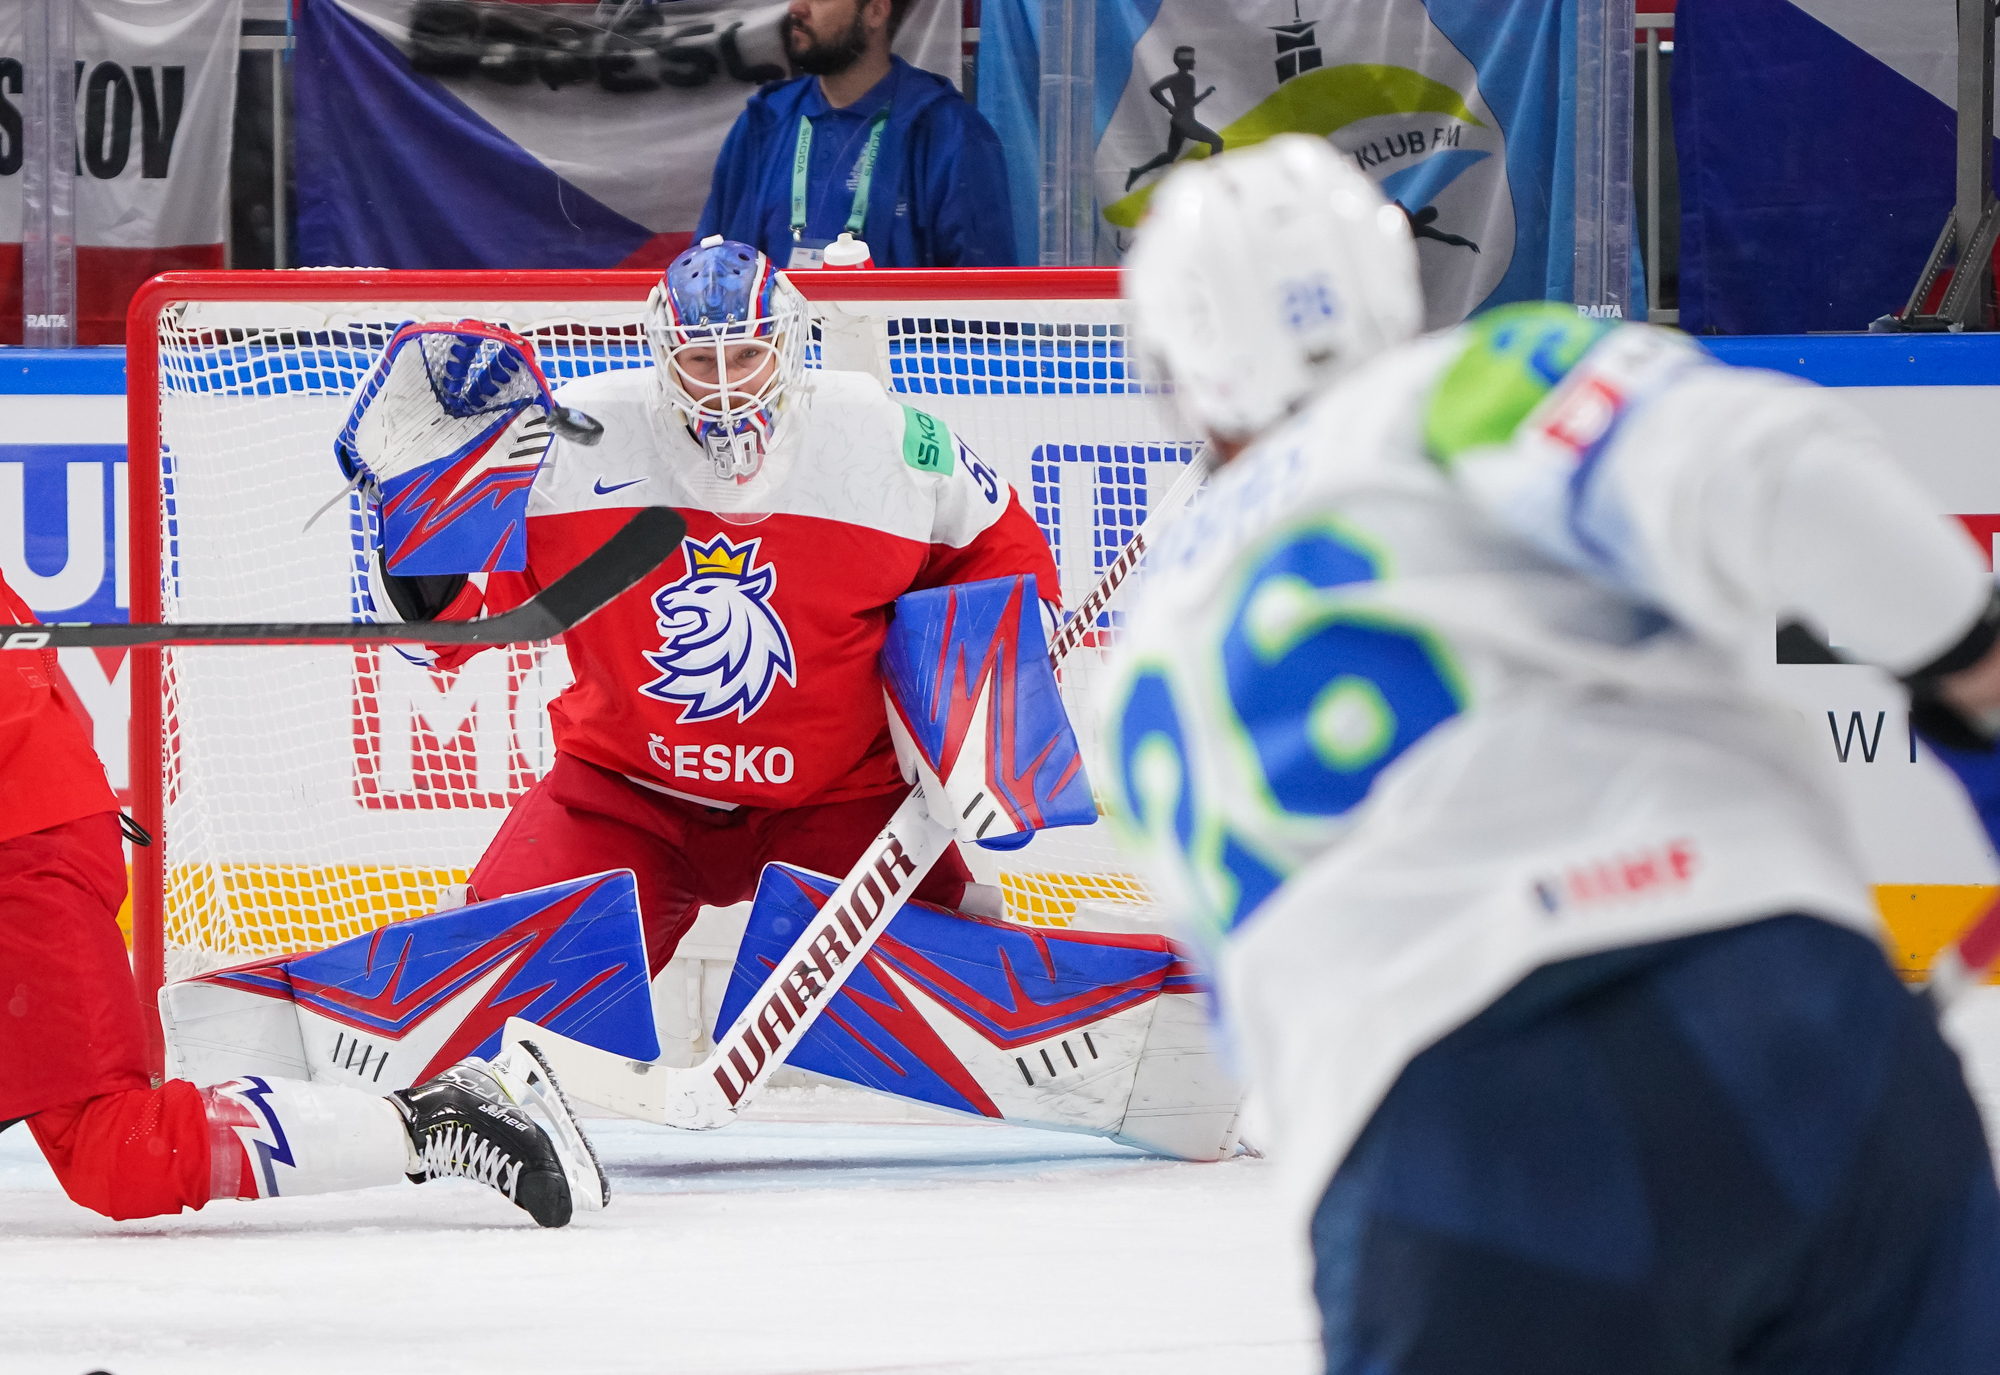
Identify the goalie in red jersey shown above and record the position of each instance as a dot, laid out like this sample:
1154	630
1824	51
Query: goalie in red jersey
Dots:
728	711
72	1043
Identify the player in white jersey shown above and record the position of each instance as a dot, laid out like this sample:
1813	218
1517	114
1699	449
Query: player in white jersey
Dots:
1537	924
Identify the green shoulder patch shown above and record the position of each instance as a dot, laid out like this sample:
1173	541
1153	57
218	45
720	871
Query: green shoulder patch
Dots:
1513	357
927	444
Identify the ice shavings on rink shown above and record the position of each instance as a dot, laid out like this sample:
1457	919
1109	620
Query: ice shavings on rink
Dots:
772	1247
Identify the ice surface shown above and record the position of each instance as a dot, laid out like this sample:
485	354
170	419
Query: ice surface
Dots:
772	1247
800	1243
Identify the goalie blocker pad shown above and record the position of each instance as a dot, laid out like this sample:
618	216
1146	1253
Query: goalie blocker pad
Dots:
397	1005
1085	1031
451	427
976	716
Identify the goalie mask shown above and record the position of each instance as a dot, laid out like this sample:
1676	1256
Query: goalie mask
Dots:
1263	275
728	335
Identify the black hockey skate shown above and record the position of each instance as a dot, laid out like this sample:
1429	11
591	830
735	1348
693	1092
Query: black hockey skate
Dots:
506	1125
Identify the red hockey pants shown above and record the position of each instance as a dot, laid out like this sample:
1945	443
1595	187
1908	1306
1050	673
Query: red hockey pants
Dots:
72	1046
582	819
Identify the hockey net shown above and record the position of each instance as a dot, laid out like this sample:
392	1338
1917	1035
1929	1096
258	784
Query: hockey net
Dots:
302	795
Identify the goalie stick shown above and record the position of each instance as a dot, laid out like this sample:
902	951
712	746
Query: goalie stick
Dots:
639	547
1078	627
801	985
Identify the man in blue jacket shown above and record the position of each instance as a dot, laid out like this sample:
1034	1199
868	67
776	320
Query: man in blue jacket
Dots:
863	143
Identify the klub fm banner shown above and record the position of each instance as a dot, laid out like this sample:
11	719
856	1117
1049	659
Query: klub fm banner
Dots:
155	93
1463	112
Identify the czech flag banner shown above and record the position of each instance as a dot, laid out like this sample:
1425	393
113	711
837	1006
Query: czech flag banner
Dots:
473	134
1817	152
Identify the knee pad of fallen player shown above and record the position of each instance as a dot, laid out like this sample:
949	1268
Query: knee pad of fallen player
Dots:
132	1154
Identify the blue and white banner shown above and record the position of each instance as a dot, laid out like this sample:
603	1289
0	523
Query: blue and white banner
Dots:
1459	109
467	134
1816	147
64	538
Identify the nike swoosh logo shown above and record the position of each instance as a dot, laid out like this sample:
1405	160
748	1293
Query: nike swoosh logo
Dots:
603	491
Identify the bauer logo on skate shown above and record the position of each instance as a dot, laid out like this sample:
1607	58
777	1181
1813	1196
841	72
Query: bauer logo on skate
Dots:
1635	874
724	647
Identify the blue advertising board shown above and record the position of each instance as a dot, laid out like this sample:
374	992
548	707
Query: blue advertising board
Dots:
62	482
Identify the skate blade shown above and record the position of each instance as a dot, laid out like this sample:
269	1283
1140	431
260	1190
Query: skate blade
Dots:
589	1190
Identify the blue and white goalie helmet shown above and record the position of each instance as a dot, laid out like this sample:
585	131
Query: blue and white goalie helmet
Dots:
1261	276
728	335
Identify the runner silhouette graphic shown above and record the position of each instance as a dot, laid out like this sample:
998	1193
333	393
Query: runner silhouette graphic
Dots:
1175	93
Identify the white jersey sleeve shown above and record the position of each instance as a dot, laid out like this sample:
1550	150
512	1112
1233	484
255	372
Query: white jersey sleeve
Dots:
968	495
1731	499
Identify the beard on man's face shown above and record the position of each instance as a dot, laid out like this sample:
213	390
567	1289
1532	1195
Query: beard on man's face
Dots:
825	56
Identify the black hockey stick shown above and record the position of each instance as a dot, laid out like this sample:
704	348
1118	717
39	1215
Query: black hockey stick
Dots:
636	550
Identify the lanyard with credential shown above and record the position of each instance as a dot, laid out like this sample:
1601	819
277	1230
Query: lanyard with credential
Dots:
864	170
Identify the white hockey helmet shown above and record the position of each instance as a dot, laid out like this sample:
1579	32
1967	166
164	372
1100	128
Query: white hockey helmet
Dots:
1262	275
716	301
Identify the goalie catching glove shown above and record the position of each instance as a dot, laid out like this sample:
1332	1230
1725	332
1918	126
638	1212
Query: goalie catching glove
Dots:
446	437
975	714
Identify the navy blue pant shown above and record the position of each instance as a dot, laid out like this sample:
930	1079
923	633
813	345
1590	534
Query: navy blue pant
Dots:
1747	1151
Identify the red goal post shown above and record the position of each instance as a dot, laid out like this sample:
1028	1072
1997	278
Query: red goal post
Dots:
232	380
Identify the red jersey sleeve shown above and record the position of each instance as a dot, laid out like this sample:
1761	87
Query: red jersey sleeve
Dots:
1009	546
484	594
49	773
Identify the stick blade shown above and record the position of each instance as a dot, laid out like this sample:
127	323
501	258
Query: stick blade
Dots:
630	1088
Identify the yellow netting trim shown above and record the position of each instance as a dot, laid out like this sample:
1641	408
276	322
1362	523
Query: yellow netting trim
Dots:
249	910
1051	899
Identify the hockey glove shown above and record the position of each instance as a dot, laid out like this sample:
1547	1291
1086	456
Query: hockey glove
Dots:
446	436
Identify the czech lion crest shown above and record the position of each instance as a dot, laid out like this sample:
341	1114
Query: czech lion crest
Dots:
723	647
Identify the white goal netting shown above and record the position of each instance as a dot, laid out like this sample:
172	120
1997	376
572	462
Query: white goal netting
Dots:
312	793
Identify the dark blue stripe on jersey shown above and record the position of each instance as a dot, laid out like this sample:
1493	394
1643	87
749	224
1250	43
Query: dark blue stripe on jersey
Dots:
1744	1151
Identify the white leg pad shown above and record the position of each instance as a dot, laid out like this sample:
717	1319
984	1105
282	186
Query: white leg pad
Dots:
275	1137
1184	1102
